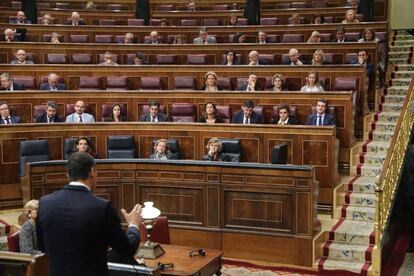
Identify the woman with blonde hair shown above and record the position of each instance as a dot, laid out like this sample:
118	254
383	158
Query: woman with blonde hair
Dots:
28	238
350	17
318	57
315	37
161	150
312	83
278	83
211	82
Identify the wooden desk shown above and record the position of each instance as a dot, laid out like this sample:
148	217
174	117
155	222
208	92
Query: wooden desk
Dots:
184	265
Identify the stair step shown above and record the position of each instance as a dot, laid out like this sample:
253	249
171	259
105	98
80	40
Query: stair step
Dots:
362	213
348	252
387	116
353	231
394	99
383	126
398	60
401	74
376	147
404	48
368	170
405	67
397	90
391	107
372	159
400	54
400	82
363	184
359	199
358	267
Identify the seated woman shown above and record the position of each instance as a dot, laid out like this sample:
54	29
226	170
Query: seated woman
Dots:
239	37
368	35
54	38
350	17
116	114
231	58
47	19
211	82
28	238
214	147
161	151
210	115
318	57
318	19
233	20
191	5
90	6
179	39
84	144
312	83
315	37
278	83
284	118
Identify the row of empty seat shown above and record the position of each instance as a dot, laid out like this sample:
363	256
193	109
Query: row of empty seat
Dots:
189	83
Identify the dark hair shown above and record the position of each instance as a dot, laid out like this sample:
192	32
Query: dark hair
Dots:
284	106
51	104
140	55
248	104
4	102
316	16
111	116
372	31
340	29
154	102
203	29
88	141
323	101
237	36
204	114
79	166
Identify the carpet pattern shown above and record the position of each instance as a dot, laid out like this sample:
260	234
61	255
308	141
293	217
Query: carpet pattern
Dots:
243	268
351	240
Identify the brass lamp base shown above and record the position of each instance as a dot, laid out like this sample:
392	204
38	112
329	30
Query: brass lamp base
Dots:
150	251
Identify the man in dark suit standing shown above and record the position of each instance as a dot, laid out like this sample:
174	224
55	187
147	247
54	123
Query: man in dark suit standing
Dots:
5	117
50	115
154	115
252	12
8	84
75	227
247	115
53	83
321	118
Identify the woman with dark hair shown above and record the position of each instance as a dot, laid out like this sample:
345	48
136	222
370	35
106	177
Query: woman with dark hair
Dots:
318	19
161	150
278	83
116	114
368	35
239	37
84	144
230	58
283	117
210	115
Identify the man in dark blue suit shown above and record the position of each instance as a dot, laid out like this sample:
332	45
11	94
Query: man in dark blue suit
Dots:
5	117
247	115
321	118
363	60
20	19
8	84
75	227
53	83
50	115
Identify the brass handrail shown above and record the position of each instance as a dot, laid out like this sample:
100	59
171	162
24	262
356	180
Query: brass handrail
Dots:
391	173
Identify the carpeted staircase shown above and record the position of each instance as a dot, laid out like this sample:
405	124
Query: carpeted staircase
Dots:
351	239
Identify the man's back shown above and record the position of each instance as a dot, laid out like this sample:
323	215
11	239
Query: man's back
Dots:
75	228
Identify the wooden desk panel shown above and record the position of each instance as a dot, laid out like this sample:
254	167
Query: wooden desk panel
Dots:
309	145
206	200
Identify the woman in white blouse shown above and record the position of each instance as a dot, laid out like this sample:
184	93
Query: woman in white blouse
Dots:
312	83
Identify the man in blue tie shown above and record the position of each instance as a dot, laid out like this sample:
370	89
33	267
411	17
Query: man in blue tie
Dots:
321	118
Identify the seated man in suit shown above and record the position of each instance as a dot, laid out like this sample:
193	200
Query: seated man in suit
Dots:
254	59
154	38
5	117
340	35
247	115
20	19
21	58
294	57
9	35
154	115
204	38
80	116
128	39
284	118
321	118
363	60
8	84
75	227
108	59
75	19
53	83
251	84
262	37
50	114
140	59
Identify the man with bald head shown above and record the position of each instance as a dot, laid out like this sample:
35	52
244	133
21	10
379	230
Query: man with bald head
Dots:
53	83
21	58
75	19
294	57
80	116
254	58
154	38
20	19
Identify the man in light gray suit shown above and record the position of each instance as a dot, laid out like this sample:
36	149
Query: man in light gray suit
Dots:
80	116
21	58
204	38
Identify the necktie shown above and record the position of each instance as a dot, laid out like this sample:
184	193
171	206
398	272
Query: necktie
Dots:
319	123
152	119
8	120
80	119
246	120
49	119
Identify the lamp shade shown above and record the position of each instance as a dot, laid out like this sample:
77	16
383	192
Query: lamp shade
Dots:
149	211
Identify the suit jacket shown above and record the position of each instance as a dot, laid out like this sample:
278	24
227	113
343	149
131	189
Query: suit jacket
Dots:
75	228
244	87
210	40
161	117
15	21
80	22
235	62
291	121
368	67
329	120
13	119
150	42
73	118
46	86
25	62
16	86
336	40
254	118
43	119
